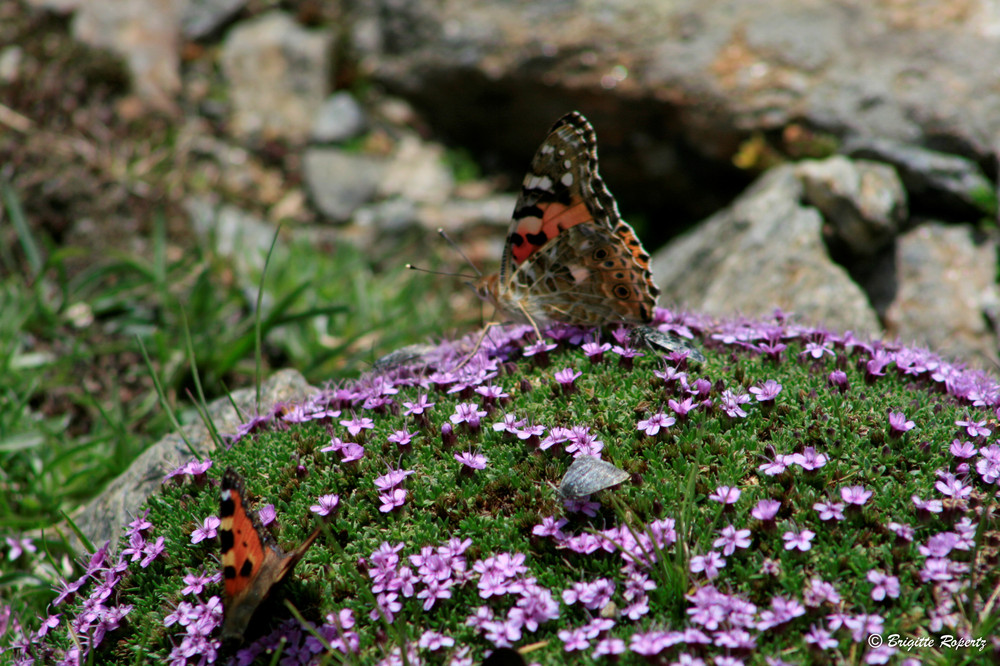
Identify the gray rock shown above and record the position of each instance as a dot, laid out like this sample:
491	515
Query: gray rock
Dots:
458	214
201	18
946	291
416	171
242	238
57	6
106	515
339	118
278	73
939	181
339	182
10	63
765	251
695	76
864	202
144	32
389	215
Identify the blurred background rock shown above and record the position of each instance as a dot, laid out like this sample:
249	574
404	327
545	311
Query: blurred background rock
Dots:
835	160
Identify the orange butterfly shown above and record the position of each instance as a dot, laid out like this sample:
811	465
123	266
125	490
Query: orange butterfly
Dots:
569	257
252	563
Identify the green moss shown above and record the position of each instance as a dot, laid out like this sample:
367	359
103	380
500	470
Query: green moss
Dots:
985	198
672	476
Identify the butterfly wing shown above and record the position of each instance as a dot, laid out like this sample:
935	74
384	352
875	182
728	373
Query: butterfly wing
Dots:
562	189
584	276
252	563
587	475
668	342
569	256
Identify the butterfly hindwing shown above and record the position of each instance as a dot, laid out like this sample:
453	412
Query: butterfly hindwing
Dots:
585	277
252	564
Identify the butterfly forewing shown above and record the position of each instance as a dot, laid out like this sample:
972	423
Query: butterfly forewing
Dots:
569	257
241	544
252	563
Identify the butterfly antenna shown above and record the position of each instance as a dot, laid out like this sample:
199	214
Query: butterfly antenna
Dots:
443	234
427	270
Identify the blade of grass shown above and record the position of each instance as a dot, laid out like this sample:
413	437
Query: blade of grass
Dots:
308	626
257	322
200	404
87	545
160	256
278	650
16	213
163	399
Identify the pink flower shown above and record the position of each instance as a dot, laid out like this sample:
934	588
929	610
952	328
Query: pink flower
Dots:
654	423
731	538
467	412
766	509
356	425
898	423
710	564
801	540
885	586
974	428
392	500
829	510
206	531
725	495
327	503
767	391
855	495
472	460
392	478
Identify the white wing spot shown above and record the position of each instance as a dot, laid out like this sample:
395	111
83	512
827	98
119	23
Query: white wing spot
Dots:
567	179
579	273
568	164
226	494
545	183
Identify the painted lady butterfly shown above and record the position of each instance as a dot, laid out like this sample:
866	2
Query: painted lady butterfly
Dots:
569	256
252	563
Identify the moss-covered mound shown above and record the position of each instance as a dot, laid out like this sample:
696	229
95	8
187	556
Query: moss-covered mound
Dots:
799	497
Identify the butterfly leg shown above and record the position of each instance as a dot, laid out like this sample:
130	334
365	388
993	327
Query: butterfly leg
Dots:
531	321
479	343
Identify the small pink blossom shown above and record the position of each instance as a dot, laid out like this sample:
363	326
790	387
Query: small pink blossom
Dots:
206	531
856	495
801	540
725	495
327	503
898	424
